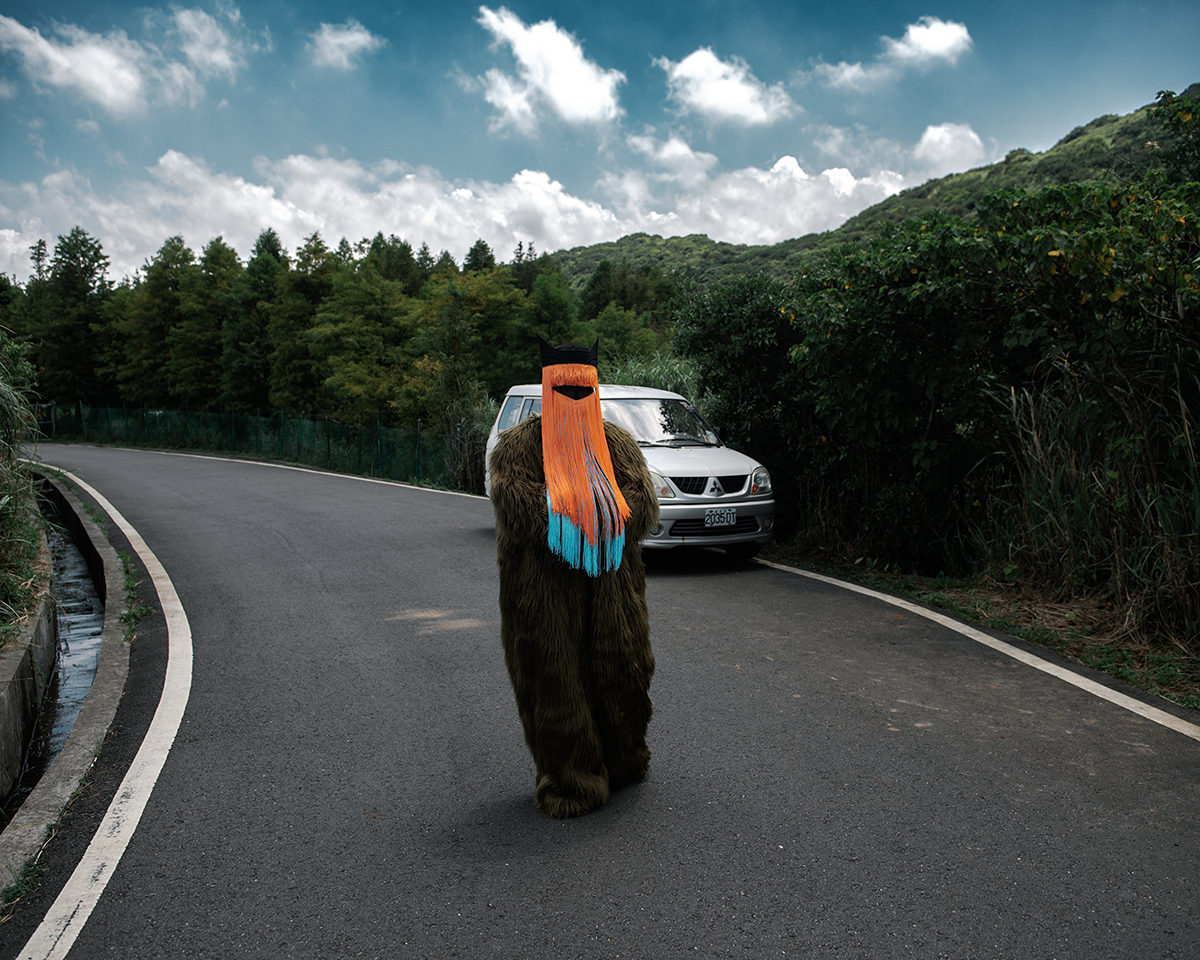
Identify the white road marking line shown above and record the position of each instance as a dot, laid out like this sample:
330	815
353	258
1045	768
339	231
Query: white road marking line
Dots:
67	916
1091	686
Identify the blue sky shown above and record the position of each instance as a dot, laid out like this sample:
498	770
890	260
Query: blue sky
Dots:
562	124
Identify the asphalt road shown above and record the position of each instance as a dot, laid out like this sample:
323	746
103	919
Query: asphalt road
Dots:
831	777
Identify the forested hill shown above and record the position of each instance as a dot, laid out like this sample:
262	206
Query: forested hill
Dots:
1110	148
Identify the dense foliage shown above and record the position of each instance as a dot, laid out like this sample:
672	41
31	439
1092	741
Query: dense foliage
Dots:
1019	389
1110	149
363	333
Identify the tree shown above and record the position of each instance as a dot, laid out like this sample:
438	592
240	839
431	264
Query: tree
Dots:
1181	117
623	334
554	315
245	341
445	266
62	308
360	340
393	259
479	257
295	376
205	310
150	312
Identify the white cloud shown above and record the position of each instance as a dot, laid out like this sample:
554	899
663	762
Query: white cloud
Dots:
207	46
725	91
121	75
948	148
109	70
926	43
943	148
552	73
668	188
340	45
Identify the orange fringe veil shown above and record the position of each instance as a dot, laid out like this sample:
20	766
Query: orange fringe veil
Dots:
587	510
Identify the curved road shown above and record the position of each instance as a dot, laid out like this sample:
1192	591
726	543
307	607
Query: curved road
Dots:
833	776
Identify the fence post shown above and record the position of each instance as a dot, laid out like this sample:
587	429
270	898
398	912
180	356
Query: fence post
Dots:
418	449
379	443
300	441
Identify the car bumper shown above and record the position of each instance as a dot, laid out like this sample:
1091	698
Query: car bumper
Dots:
682	524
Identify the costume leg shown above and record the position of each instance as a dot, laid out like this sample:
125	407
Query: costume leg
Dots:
621	668
543	650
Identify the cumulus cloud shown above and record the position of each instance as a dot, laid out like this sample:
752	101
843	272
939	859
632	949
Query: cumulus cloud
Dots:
121	75
341	45
552	74
668	187
724	91
943	148
211	50
926	43
948	148
682	191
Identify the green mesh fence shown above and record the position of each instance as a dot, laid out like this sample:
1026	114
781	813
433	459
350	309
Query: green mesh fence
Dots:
413	456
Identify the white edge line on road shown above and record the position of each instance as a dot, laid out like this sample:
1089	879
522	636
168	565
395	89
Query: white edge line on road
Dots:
298	469
1091	686
67	916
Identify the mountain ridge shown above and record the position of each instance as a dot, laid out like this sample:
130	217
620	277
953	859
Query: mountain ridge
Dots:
1110	147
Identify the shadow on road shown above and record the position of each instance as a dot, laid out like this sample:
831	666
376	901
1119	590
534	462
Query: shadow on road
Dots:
698	562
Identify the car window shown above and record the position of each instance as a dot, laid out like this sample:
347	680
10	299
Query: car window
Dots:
508	413
517	409
673	423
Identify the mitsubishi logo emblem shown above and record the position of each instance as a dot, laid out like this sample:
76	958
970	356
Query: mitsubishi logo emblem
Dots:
715	489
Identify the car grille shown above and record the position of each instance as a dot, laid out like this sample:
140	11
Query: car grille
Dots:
694	486
696	528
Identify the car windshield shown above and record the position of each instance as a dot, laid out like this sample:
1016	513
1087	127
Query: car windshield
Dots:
660	423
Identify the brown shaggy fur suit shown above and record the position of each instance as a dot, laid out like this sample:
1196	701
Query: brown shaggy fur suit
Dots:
577	647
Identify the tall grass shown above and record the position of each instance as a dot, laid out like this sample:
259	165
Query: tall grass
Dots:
662	371
19	531
1104	496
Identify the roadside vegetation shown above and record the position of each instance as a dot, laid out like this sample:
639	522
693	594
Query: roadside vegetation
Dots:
20	534
984	391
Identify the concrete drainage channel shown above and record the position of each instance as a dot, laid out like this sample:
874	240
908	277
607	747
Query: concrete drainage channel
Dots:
26	669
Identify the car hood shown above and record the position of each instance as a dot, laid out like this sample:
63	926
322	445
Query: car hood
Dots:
697	461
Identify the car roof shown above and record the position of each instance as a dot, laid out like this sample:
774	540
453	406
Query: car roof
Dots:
608	391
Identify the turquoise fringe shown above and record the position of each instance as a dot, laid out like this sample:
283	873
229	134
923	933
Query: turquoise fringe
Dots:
566	540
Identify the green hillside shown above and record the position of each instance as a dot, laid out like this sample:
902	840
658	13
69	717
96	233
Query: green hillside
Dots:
1110	148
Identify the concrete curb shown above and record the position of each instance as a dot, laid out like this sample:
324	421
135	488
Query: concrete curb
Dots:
26	834
26	667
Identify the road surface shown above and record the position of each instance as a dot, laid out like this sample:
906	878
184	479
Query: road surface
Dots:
832	775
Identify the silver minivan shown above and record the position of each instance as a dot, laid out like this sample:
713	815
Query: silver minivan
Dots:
708	495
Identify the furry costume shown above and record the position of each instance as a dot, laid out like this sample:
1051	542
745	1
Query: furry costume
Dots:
576	644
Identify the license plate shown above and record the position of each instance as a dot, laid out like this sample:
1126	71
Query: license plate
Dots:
720	517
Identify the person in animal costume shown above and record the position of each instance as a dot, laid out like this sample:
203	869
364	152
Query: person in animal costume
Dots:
573	500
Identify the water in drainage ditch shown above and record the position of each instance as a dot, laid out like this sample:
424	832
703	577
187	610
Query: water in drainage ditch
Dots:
80	625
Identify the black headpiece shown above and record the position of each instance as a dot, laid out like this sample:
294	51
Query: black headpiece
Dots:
569	353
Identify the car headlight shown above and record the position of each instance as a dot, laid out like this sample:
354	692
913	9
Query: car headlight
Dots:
760	482
662	489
